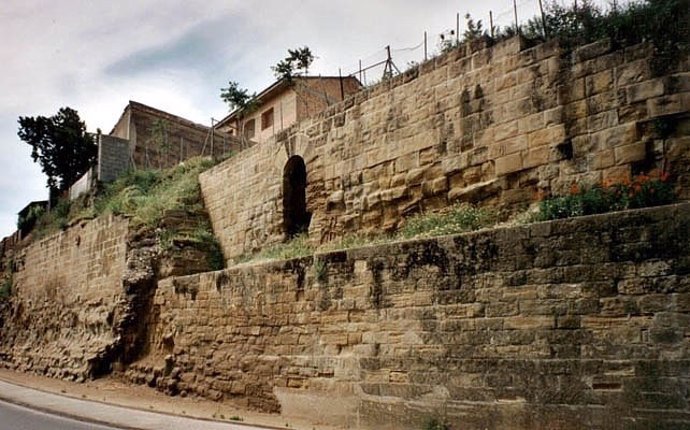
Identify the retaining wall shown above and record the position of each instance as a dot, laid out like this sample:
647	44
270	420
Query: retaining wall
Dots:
500	125
572	324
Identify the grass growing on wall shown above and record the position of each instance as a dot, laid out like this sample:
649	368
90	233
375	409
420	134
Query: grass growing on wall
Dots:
145	197
453	220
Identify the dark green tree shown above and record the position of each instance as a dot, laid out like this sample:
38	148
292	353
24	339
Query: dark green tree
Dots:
61	145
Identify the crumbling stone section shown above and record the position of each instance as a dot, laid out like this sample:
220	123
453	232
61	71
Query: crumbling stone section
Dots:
81	298
65	290
570	324
498	125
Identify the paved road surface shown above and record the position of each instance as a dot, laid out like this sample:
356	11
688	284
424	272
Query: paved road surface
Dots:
13	417
55	407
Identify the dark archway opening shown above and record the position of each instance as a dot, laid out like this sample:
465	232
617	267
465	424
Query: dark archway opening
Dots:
296	219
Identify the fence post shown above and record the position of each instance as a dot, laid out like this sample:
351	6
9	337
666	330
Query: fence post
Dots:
457	28
543	20
425	51
517	26
491	23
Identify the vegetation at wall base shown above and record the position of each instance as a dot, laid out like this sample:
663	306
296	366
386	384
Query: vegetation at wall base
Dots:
456	219
642	191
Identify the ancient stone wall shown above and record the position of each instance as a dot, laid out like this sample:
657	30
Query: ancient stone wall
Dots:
502	125
570	324
65	291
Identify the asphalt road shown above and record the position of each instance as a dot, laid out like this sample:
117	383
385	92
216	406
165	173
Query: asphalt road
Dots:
57	407
13	417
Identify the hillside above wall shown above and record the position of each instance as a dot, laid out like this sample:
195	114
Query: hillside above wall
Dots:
500	125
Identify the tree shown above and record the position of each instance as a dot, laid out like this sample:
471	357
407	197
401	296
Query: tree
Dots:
239	99
295	64
61	145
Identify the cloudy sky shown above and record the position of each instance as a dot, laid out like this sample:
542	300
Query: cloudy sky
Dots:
95	55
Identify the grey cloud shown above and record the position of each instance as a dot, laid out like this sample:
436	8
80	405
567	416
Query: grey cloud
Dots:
201	49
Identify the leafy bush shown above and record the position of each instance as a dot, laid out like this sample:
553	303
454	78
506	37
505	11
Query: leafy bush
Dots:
26	223
53	220
642	191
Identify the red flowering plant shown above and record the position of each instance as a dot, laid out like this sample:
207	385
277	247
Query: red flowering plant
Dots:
652	189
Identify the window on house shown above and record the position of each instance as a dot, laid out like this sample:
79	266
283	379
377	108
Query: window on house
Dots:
267	119
249	128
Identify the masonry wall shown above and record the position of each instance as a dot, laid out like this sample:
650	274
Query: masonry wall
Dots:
571	324
65	291
113	157
501	125
83	184
183	138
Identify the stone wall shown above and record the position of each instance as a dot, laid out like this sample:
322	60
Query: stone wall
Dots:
571	324
65	291
113	157
500	125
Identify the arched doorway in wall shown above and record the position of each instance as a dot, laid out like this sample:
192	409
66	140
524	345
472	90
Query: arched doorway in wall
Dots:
296	219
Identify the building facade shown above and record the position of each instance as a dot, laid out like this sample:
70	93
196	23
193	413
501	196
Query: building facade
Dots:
287	102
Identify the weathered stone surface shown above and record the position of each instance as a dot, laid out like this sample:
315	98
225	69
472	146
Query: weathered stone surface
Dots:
569	324
495	114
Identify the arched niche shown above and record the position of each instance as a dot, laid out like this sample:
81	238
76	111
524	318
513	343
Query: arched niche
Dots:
296	219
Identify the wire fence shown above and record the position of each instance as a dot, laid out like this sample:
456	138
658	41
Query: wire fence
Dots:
390	61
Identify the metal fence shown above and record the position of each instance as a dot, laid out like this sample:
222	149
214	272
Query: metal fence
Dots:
390	61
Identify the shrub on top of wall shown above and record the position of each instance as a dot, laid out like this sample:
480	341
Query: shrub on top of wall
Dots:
642	191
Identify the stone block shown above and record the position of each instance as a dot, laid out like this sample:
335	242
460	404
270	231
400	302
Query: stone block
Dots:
506	131
435	186
632	73
414	176
645	90
537	157
629	153
599	82
547	136
592	50
509	164
529	322
614	137
668	105
508	146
